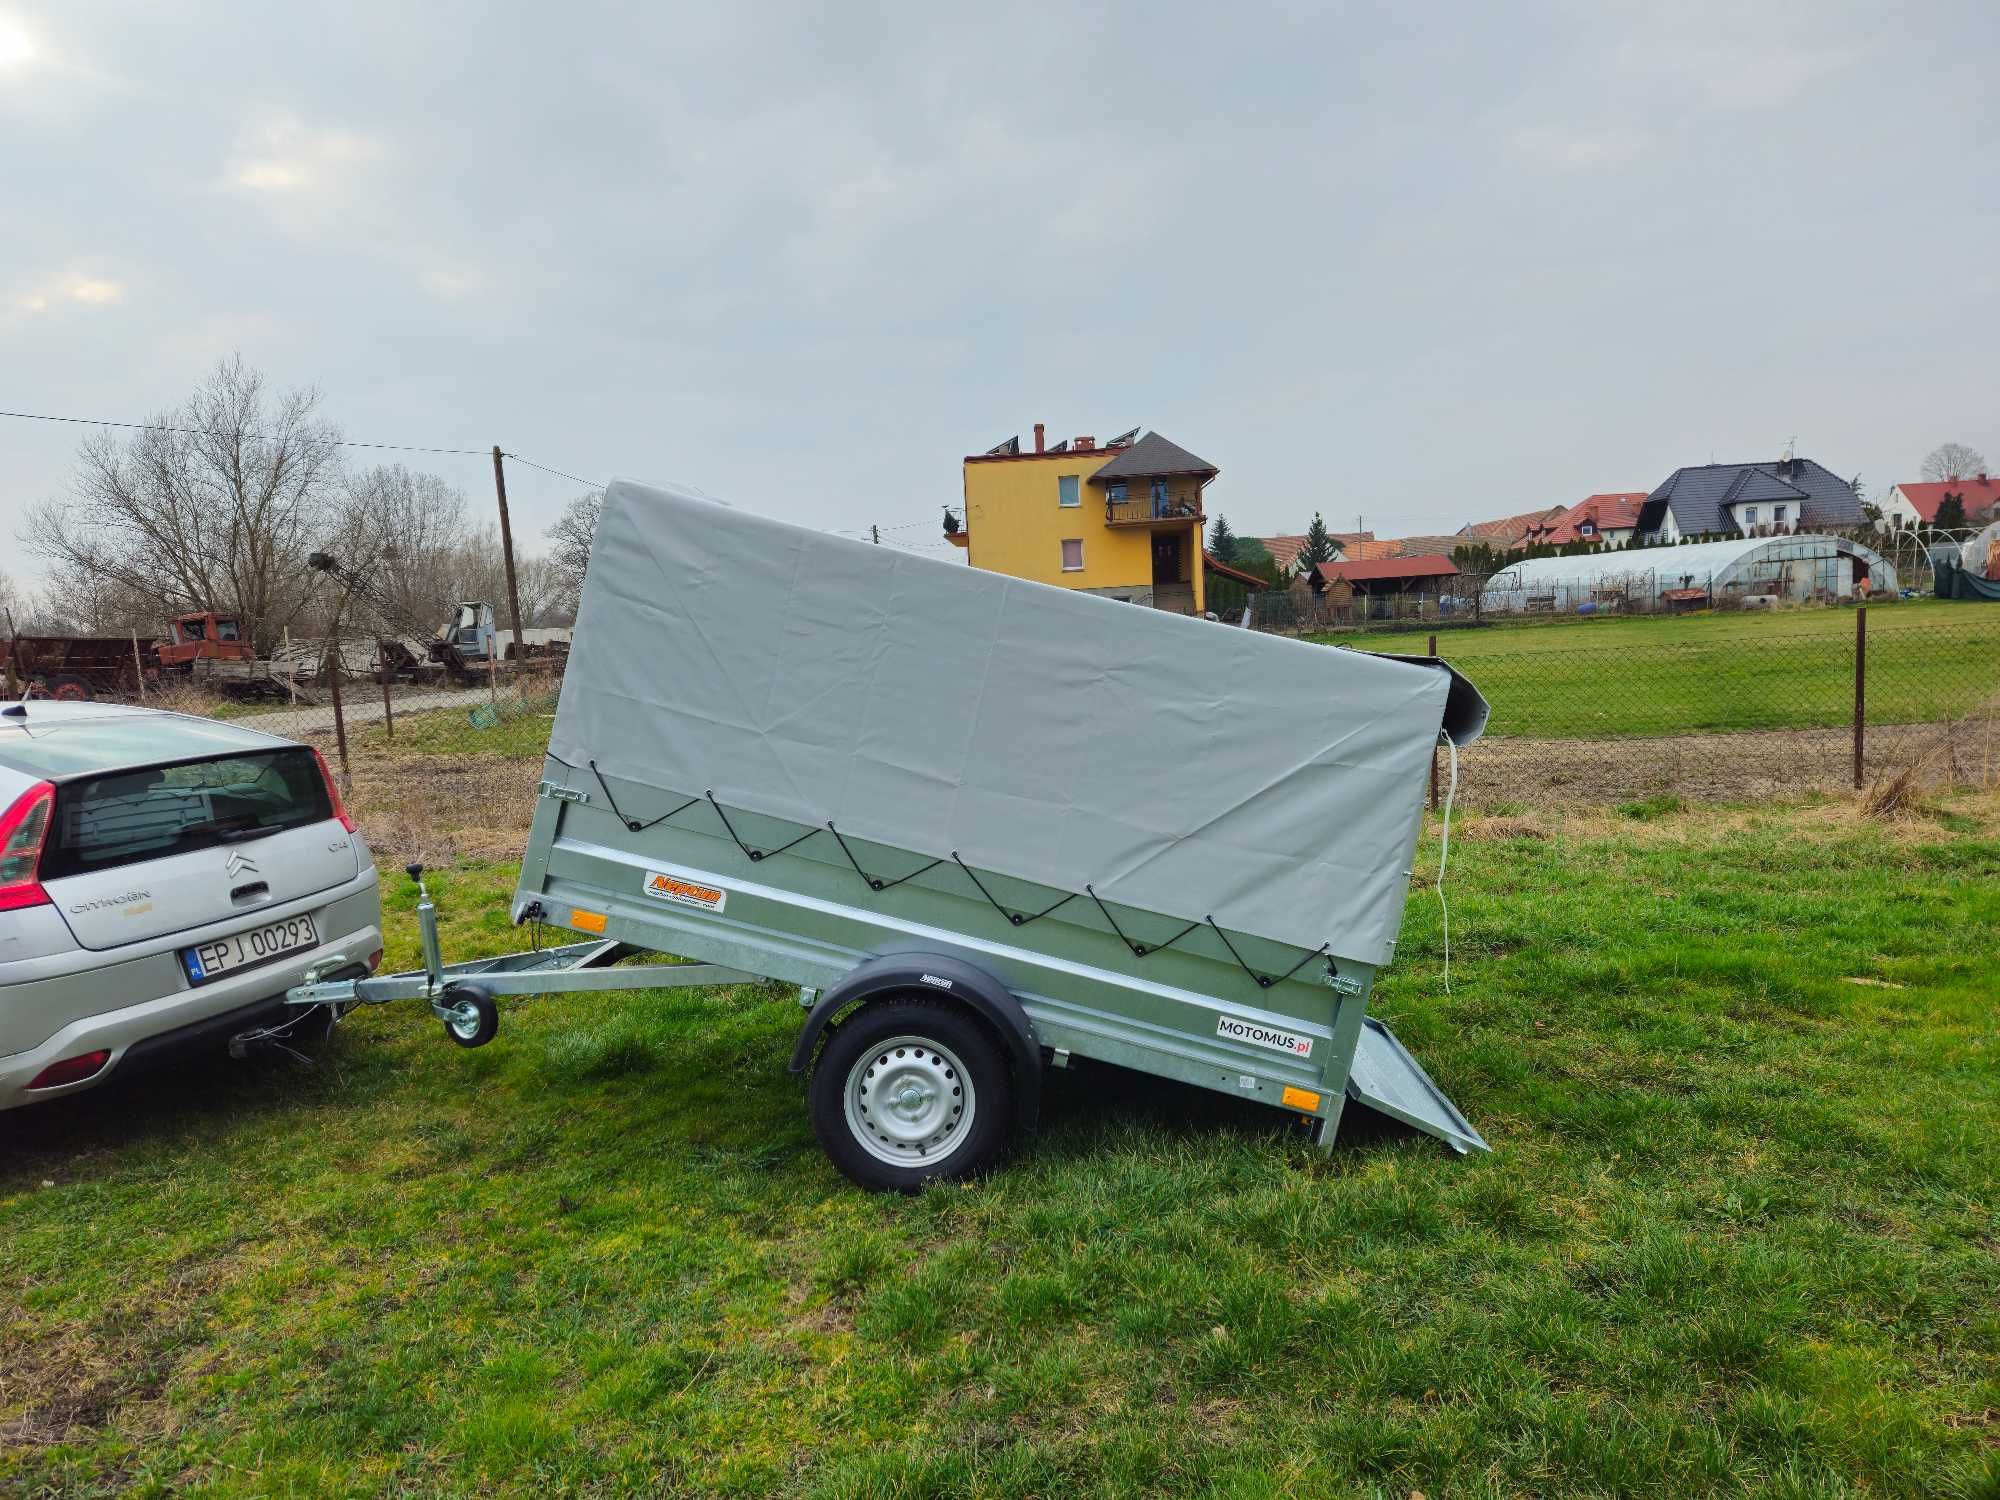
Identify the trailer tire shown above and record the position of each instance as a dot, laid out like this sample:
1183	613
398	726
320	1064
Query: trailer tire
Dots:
952	1109
476	1018
68	689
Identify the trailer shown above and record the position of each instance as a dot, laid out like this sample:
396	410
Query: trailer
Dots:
988	827
77	668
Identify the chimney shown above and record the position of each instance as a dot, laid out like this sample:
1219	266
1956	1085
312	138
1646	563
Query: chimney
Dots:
1038	437
1084	444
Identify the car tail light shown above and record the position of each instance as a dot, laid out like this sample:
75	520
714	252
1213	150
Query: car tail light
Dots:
24	829
374	960
72	1070
333	794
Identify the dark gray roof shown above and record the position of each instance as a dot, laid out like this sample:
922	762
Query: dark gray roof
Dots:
1700	495
1153	454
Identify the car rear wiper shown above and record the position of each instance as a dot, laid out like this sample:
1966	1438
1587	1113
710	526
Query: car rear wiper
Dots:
244	835
232	835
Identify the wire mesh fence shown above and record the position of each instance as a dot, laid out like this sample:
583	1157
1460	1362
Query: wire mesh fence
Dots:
1733	707
1737	709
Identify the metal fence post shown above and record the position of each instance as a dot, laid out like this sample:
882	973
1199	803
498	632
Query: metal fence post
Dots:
1860	688
388	710
332	659
1434	748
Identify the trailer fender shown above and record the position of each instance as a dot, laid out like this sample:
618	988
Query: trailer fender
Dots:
939	977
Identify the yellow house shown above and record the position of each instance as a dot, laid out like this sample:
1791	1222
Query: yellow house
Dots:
1124	519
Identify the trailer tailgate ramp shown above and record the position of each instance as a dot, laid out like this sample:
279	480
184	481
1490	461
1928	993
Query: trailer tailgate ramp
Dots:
1385	1077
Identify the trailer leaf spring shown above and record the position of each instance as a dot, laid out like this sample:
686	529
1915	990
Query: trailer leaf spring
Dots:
878	884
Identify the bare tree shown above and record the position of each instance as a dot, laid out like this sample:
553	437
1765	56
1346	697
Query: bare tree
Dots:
1953	461
407	534
569	543
215	506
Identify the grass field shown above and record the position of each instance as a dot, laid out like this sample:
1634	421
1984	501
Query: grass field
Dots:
1600	678
1737	1236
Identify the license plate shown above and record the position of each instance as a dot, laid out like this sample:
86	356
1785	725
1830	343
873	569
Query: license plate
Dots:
245	950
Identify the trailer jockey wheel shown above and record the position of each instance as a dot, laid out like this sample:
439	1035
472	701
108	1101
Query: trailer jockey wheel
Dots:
910	1091
471	1016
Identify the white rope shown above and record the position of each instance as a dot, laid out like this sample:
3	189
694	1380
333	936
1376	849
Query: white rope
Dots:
1444	854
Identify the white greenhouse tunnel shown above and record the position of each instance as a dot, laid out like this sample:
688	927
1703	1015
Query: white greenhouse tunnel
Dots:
1788	569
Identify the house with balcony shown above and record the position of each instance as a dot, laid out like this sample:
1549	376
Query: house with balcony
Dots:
1123	519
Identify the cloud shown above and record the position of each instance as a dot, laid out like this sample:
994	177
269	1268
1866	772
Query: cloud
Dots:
285	155
1573	150
454	283
91	291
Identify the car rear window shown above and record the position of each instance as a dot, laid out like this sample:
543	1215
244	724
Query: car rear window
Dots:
44	747
123	817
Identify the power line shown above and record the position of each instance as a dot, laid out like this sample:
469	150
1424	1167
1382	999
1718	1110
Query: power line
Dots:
587	483
36	416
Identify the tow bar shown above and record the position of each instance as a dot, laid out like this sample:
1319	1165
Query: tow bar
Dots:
462	995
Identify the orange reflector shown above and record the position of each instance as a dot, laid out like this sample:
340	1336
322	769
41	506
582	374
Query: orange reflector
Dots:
1299	1098
586	921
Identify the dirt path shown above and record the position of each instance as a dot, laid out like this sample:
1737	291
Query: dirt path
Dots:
1746	765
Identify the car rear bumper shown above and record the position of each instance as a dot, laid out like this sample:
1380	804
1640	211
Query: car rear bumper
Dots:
156	1016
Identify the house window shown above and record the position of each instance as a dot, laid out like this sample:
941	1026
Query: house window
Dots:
1116	492
1778	515
1587	529
1066	491
1749	515
1072	554
1159	497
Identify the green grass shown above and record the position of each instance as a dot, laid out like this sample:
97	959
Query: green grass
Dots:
1928	661
1737	1235
521	731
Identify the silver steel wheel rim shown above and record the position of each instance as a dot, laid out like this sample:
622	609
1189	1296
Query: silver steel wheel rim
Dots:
908	1100
464	1020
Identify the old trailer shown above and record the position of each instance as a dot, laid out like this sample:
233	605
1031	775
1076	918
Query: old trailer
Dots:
987	826
76	668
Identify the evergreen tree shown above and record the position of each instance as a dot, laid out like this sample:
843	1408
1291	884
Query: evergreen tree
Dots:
1950	512
1222	541
1252	557
1319	547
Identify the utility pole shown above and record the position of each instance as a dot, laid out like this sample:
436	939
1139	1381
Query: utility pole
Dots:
507	551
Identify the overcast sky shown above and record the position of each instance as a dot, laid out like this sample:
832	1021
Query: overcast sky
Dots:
1420	266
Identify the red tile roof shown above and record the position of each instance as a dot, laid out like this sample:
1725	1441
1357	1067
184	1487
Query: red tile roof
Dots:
1981	495
1389	567
1285	550
1616	510
1509	530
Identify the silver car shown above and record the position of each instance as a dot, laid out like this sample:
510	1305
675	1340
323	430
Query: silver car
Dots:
163	880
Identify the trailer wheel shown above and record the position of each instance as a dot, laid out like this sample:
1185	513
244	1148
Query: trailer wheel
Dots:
473	1018
909	1091
68	689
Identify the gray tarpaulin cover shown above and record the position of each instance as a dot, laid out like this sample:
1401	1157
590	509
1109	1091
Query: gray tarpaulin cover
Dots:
1177	765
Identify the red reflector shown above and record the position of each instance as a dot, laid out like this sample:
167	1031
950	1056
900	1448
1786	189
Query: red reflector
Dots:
71	1070
374	960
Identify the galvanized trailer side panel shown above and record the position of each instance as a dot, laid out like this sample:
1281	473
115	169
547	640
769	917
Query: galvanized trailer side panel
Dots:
1189	1012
